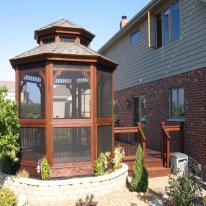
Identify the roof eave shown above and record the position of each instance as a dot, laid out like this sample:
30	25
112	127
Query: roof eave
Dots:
141	14
62	57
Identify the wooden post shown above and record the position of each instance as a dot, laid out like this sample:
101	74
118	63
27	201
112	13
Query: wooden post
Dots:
141	133
182	136
162	141
168	152
93	113
48	113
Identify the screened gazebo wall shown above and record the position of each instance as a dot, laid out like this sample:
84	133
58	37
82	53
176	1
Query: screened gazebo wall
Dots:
66	114
71	102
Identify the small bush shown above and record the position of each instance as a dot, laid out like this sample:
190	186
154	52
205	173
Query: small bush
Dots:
184	189
45	169
7	165
88	201
23	173
139	181
7	197
117	160
99	168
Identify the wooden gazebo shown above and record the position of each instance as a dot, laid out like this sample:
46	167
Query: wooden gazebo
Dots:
65	95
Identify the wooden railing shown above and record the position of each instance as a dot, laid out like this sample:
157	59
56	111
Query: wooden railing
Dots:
172	140
128	138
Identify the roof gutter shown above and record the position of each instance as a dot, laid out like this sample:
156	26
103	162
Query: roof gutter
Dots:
143	13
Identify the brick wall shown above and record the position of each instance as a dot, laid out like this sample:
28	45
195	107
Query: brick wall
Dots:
157	109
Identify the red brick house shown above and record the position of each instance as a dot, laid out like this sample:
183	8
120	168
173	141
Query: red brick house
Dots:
161	75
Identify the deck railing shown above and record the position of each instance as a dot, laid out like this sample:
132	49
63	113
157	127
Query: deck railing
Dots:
128	138
172	140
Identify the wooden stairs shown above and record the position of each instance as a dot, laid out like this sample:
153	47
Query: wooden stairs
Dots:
153	164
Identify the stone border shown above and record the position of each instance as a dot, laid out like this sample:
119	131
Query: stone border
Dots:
60	192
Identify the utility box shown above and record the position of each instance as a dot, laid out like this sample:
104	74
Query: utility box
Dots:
179	163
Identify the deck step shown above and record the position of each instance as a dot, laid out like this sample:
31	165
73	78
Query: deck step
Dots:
154	168
158	171
153	163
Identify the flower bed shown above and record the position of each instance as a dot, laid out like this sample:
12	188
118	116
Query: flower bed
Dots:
60	192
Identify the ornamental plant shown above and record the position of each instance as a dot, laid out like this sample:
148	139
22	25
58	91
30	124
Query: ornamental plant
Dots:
45	169
7	197
99	166
9	126
184	189
117	160
139	181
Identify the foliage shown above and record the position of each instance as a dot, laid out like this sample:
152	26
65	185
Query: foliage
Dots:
45	169
204	200
7	165
99	167
9	126
139	181
27	108
7	197
184	189
117	160
88	201
23	173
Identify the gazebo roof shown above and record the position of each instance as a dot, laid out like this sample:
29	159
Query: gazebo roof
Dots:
61	48
63	24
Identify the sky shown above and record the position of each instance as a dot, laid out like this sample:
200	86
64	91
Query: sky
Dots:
20	18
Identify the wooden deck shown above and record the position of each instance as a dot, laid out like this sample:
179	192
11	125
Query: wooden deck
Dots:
153	163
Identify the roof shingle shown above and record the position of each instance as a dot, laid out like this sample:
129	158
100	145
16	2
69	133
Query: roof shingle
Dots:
60	48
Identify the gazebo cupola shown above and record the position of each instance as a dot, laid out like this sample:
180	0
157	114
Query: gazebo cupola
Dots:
65	95
63	31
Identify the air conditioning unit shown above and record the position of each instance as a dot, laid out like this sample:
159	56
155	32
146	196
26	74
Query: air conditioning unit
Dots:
179	163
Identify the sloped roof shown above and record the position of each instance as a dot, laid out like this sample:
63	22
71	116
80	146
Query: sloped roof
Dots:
124	31
60	48
62	23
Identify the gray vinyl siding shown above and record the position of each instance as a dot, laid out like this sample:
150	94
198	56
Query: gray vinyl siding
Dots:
139	64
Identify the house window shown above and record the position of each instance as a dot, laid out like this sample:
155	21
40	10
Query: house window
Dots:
139	109
168	25
177	103
159	30
135	37
171	23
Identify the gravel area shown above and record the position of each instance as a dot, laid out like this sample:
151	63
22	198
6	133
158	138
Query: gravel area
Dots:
124	197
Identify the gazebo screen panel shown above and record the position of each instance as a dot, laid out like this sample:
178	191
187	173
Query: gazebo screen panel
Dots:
72	145
104	94
32	93
32	141
71	92
104	141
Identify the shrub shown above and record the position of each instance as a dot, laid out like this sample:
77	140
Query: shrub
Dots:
99	168
88	201
9	126
7	165
45	169
139	181
117	160
23	173
7	197
184	189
